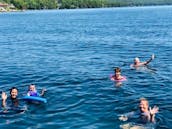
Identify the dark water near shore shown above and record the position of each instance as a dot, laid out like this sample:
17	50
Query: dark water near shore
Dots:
72	52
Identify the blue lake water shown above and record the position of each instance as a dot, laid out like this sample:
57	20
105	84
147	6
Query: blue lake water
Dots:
71	53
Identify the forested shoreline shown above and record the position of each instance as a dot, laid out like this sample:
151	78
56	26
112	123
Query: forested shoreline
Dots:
72	4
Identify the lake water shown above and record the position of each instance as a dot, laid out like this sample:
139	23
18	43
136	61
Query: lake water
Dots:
71	53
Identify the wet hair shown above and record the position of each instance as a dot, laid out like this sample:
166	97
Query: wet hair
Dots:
117	69
136	59
12	89
144	99
31	85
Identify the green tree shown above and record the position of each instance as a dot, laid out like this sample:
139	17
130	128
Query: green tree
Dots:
20	4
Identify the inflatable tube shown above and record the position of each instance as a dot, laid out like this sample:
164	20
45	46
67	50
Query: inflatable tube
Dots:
34	99
121	80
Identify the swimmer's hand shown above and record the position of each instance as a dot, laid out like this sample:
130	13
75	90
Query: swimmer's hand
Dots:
123	118
153	110
112	79
43	91
4	96
153	56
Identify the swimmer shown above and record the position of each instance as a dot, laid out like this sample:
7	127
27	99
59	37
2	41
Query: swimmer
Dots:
117	75
145	113
13	98
137	62
33	92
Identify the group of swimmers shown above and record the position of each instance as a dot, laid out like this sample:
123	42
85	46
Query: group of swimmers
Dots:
145	113
137	63
13	100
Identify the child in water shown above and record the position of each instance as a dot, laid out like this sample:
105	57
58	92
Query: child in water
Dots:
117	75
33	92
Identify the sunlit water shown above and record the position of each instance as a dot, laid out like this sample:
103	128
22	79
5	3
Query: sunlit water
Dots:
71	53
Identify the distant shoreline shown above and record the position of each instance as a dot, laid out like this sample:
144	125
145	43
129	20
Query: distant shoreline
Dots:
2	10
20	5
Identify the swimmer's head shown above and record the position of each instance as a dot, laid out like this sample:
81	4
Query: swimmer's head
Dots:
117	70
136	60
143	105
32	87
13	92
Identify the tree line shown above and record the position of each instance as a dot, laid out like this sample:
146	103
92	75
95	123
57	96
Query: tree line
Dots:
71	4
141	2
33	4
86	4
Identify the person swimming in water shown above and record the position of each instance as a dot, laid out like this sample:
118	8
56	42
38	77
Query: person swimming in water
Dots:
12	104
145	114
117	75
138	63
33	92
13	98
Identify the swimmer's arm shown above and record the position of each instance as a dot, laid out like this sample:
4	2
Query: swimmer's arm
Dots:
152	118
147	62
153	111
43	92
112	77
4	98
3	103
123	118
126	116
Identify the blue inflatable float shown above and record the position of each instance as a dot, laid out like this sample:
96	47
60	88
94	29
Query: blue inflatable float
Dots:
34	99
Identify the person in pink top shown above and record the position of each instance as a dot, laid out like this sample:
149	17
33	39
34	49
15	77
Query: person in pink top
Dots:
117	75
